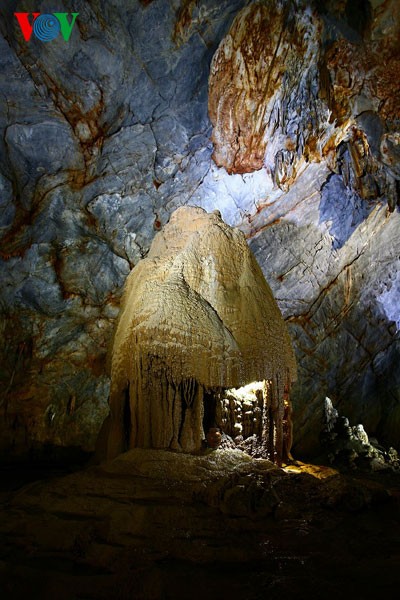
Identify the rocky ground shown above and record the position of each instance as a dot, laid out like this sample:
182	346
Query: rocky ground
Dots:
154	525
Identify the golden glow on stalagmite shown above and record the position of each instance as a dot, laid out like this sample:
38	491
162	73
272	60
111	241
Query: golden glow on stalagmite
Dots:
197	318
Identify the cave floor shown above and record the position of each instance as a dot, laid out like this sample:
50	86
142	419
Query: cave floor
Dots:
156	525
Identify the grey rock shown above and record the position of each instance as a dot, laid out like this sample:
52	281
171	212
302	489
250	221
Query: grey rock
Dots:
344	208
32	282
7	207
40	149
350	445
92	271
122	220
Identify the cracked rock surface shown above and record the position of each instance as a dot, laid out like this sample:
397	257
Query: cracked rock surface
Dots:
282	115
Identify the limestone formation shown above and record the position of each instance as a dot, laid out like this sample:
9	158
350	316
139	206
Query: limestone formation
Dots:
197	316
308	93
281	93
251	67
153	524
282	114
348	445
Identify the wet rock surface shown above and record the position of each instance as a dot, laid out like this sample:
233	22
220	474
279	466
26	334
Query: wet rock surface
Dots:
104	136
156	524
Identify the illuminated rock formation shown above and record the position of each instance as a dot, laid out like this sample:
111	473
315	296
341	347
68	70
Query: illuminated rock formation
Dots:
307	95
252	66
197	316
303	97
281	94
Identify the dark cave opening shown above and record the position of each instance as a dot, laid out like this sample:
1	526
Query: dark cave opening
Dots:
211	398
127	421
359	15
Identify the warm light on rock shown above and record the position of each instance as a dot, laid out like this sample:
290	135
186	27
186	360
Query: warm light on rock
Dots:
197	316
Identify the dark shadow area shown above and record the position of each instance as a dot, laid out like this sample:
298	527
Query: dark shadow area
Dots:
210	407
359	15
251	534
355	14
41	463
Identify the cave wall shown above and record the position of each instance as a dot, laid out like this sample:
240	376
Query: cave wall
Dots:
294	137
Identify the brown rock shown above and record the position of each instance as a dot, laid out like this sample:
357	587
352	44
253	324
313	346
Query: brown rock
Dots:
246	73
280	95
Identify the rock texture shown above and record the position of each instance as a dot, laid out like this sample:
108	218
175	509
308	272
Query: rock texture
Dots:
197	316
156	524
256	62
103	137
283	91
349	445
300	93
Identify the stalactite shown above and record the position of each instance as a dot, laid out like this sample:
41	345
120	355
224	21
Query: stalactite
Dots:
278	421
197	318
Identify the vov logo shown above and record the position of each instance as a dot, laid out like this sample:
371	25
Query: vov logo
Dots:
46	27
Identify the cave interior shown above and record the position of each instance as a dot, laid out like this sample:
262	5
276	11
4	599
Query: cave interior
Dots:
200	299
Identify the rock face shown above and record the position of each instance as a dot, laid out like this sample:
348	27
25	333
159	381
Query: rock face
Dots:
349	445
197	316
253	65
105	135
102	137
300	93
284	91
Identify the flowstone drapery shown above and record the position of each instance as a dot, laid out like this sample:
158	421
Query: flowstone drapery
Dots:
197	317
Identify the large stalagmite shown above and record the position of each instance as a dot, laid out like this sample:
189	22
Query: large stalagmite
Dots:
197	316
